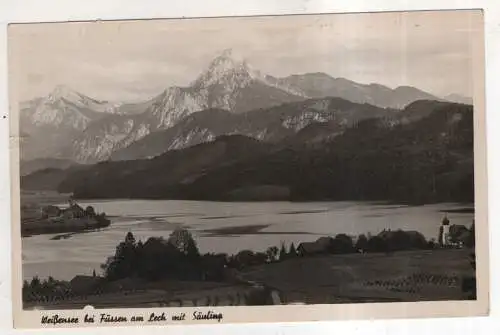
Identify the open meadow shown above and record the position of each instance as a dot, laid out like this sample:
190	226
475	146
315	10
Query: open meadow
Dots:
401	276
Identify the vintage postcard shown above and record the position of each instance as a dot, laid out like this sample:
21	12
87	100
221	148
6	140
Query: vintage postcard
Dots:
248	169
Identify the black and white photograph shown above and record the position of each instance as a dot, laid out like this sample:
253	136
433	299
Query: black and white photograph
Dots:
247	161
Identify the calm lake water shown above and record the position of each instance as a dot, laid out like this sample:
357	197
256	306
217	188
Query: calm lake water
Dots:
278	222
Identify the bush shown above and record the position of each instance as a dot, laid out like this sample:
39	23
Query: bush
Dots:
46	289
399	240
362	243
459	233
376	244
342	244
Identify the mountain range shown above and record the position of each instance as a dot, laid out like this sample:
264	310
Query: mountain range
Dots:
459	99
29	167
423	159
271	124
229	97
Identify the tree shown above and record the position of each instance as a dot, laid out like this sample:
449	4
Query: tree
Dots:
259	258
272	253
362	243
26	291
182	240
244	258
129	238
35	282
192	252
470	237
269	255
90	211
292	252
376	244
458	233
403	240
214	266
282	252
159	259
341	244
125	261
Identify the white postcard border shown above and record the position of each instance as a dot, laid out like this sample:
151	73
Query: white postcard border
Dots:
31	319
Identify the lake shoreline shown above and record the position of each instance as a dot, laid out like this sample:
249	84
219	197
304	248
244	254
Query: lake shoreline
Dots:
225	227
381	202
286	199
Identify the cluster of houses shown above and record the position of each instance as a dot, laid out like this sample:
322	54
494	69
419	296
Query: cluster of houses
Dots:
449	237
71	212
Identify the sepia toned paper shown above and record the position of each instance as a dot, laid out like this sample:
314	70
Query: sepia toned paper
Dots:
241	134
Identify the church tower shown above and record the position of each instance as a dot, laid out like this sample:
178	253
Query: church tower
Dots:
445	231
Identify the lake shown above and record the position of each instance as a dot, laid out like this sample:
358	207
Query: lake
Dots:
213	227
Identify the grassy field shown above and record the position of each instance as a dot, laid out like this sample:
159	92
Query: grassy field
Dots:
402	276
355	278
156	294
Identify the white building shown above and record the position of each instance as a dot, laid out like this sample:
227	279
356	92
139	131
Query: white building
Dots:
445	231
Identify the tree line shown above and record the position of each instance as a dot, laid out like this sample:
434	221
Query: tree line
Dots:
178	257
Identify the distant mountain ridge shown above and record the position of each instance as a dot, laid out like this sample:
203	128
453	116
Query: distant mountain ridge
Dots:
175	166
305	122
426	159
28	167
69	125
49	124
227	83
272	124
318	85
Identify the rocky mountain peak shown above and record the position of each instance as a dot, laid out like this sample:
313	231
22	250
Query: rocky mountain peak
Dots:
63	92
227	67
228	59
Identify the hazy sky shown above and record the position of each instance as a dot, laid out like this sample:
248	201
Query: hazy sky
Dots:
132	60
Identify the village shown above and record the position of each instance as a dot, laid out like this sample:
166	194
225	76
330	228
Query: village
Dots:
391	266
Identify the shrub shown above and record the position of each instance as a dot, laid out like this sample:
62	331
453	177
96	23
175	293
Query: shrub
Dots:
342	244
